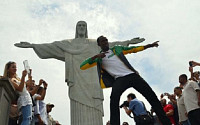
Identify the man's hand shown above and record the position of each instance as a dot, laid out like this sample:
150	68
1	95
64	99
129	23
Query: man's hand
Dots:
24	45
155	44
101	55
168	95
40	82
161	96
24	73
45	84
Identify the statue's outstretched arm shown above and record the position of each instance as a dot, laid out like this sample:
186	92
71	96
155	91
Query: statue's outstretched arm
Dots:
126	43
44	51
24	45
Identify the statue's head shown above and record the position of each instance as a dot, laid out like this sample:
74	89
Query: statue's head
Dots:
81	30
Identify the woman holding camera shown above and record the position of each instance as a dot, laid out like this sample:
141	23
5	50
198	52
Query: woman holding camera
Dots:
24	101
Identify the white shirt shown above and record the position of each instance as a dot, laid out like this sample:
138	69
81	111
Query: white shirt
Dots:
190	96
181	109
40	109
114	66
24	97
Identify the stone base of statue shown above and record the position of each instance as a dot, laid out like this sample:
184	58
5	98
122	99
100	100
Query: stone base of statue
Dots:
84	115
7	94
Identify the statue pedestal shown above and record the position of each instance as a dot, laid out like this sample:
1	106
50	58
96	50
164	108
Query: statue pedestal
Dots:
7	94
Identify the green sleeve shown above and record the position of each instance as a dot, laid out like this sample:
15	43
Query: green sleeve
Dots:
132	49
88	63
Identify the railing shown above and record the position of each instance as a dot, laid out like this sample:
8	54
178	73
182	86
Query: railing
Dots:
7	95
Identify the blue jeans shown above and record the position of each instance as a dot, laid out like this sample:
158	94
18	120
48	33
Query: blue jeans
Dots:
26	114
187	122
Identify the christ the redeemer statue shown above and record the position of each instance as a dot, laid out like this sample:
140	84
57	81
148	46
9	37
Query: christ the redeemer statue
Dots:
85	93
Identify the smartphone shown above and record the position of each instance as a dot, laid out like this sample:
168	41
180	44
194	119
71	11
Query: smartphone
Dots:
190	64
26	66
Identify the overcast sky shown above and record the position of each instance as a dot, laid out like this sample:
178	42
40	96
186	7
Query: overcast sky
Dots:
175	23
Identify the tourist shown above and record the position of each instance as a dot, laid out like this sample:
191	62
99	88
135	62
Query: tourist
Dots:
169	110
24	101
13	115
191	97
40	108
139	111
115	71
173	102
182	113
51	121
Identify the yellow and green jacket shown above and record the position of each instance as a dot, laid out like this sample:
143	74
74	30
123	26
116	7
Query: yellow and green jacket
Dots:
105	79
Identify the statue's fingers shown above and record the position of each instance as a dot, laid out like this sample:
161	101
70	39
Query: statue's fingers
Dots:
23	42
17	44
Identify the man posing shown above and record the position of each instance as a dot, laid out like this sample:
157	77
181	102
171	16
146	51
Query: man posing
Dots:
191	95
115	71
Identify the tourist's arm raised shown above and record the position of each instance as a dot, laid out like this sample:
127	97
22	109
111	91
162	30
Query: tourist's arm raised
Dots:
43	92
20	87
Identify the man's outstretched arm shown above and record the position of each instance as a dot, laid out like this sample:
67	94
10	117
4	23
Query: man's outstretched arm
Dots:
135	49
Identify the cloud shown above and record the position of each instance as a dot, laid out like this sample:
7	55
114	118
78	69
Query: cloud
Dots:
175	23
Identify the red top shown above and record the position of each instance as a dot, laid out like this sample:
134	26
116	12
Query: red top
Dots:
168	107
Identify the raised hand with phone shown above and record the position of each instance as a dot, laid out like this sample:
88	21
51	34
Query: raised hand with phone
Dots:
193	64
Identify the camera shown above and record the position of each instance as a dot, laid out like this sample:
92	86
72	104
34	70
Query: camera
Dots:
125	103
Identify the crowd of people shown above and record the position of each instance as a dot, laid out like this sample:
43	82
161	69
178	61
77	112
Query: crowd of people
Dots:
29	108
183	107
